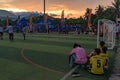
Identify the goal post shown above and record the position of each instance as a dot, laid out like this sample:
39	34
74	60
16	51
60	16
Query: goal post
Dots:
106	32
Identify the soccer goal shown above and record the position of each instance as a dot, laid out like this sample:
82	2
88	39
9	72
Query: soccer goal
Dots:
106	32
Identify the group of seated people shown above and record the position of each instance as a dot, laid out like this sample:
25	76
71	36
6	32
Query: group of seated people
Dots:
96	62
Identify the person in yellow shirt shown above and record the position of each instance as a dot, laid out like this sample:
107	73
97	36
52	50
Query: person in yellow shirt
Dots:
97	63
104	55
101	45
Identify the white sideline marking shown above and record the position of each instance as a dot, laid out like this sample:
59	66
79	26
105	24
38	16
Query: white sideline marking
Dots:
69	73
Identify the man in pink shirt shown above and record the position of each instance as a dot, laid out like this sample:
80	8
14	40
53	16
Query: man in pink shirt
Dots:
77	56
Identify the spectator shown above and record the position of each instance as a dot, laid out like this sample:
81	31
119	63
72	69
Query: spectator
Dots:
104	55
97	63
77	56
101	45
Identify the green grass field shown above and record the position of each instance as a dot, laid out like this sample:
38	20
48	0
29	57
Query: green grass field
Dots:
44	57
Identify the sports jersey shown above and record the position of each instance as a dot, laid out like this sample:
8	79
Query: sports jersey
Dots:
105	56
100	47
97	64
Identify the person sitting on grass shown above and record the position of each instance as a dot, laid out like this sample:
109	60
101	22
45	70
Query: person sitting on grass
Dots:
77	56
101	45
104	55
97	63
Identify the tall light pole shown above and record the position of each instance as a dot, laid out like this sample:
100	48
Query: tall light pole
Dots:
44	13
45	21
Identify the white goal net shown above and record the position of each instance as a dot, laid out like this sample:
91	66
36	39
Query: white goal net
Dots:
106	32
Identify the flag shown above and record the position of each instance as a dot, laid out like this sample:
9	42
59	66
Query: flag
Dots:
30	23
7	22
117	12
18	20
62	19
89	18
46	19
46	23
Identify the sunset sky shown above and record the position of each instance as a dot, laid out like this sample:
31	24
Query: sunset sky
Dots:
72	8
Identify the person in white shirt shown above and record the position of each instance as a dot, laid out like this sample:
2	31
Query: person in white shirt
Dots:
10	31
24	30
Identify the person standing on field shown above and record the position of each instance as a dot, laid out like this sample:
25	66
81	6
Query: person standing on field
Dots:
11	32
1	32
24	30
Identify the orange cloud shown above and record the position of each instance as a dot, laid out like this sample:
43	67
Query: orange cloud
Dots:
57	9
74	7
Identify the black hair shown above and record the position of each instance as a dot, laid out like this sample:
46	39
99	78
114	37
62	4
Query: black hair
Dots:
75	45
104	49
102	43
79	45
97	50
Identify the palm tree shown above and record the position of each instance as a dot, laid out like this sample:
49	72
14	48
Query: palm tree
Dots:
116	6
99	13
99	10
88	17
86	13
109	13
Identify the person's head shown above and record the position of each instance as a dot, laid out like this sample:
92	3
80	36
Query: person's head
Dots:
76	45
104	49
79	45
97	51
102	43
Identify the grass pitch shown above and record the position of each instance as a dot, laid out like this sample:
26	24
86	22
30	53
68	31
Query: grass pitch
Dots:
44	56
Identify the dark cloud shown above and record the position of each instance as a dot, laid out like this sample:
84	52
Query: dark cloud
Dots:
53	14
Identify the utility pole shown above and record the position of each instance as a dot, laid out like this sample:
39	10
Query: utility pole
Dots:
44	12
45	21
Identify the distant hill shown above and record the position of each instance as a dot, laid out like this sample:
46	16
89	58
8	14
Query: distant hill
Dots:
4	13
27	14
